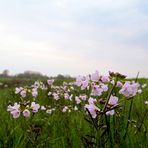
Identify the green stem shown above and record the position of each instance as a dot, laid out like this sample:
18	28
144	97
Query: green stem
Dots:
129	115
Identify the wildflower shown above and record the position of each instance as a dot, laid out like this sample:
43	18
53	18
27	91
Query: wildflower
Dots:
95	76
49	93
23	93
50	82
17	90
92	109
104	87
14	110
66	96
56	96
15	113
111	112
129	90
105	79
75	108
43	108
64	109
119	84
146	102
34	92
144	85
112	82
84	84
79	80
92	101
26	113
48	111
113	101
83	97
35	107
96	90
139	91
78	101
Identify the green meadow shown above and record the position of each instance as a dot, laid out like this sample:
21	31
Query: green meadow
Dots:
71	129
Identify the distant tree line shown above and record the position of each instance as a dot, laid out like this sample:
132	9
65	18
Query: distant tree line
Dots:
33	75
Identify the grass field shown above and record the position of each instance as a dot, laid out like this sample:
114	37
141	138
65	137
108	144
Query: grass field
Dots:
72	129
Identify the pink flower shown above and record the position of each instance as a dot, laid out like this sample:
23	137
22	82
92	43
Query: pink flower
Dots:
78	101
66	96
95	76
50	82
84	84
146	102
119	84
56	96
35	107
64	109
96	90
83	97
129	90
92	109
17	90
14	110
105	79
113	101
92	100
26	113
111	112
23	93
79	80
15	113
34	92
104	87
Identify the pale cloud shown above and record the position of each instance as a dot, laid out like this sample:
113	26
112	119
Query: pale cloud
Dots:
74	37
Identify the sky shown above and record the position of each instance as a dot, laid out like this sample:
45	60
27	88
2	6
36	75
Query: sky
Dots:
74	37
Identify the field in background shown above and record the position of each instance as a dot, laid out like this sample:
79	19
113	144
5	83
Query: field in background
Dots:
60	130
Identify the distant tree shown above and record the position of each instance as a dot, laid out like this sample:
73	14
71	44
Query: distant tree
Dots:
60	77
31	75
5	73
63	77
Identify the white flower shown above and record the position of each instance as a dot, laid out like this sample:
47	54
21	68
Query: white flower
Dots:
26	113
43	108
75	108
64	109
111	112
48	111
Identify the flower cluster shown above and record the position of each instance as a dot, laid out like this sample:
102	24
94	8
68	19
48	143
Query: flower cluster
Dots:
91	92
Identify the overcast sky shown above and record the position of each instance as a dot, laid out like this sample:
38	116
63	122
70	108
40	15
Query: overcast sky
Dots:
74	36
